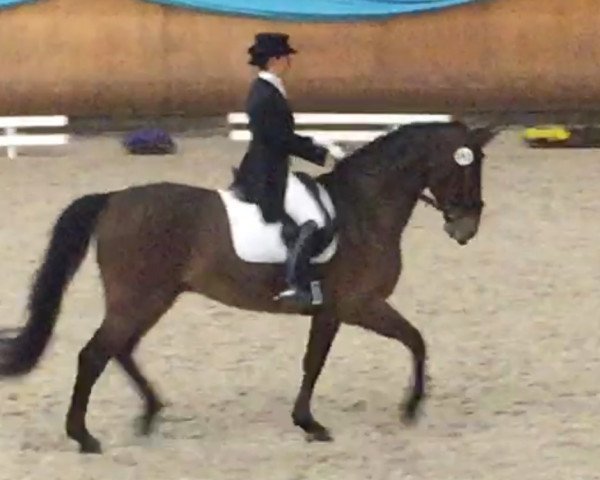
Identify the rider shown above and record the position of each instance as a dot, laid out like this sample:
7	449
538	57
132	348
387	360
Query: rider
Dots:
263	172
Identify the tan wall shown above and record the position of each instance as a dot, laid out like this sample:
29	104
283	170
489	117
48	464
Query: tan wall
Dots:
95	57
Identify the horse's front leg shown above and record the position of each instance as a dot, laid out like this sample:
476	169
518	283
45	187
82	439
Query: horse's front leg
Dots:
378	316
323	330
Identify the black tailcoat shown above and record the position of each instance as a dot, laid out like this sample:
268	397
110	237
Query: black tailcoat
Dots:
262	175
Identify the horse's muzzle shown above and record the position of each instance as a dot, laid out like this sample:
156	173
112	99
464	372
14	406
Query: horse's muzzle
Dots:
462	229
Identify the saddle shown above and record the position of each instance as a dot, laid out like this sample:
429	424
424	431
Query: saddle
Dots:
257	241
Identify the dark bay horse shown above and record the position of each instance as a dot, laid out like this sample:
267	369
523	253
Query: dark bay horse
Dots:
157	241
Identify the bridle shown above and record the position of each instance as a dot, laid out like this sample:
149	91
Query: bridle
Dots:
466	203
430	201
479	204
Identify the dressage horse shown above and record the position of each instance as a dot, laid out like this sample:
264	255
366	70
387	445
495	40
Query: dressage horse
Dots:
155	242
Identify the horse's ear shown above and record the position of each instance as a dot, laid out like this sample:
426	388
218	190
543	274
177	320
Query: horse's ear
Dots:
483	135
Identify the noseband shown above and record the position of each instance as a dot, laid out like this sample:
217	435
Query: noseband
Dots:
474	205
430	201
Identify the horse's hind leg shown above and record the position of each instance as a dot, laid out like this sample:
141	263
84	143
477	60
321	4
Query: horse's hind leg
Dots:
116	338
153	403
323	329
379	317
92	361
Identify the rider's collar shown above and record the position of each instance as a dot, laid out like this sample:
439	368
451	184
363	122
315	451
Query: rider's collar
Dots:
273	80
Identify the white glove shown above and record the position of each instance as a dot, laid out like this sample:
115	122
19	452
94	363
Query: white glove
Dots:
334	149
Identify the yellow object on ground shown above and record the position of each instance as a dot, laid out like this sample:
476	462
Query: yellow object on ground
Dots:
547	132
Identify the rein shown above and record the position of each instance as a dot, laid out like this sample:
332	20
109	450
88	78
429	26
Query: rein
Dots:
430	201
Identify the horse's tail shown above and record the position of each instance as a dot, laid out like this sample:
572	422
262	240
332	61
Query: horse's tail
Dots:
67	248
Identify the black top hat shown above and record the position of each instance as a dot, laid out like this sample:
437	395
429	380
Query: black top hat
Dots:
267	45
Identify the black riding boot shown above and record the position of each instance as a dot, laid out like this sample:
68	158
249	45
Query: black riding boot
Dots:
297	267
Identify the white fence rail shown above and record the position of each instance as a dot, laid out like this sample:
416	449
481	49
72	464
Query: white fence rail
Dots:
11	139
385	121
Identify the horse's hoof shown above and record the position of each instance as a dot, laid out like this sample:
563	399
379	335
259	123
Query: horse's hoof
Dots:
145	424
411	412
409	418
314	431
90	446
320	434
142	426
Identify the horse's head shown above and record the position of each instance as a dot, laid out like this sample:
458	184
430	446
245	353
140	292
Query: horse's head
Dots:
444	157
454	179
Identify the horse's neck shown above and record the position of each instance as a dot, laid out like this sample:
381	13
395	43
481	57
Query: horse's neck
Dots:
369	209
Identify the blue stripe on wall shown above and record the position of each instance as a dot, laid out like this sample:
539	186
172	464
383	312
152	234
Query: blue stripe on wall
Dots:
304	10
316	10
13	3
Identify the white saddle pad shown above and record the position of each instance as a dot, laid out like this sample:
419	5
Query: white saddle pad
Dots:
258	242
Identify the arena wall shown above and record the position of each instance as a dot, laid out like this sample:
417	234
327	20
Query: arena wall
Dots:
130	57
